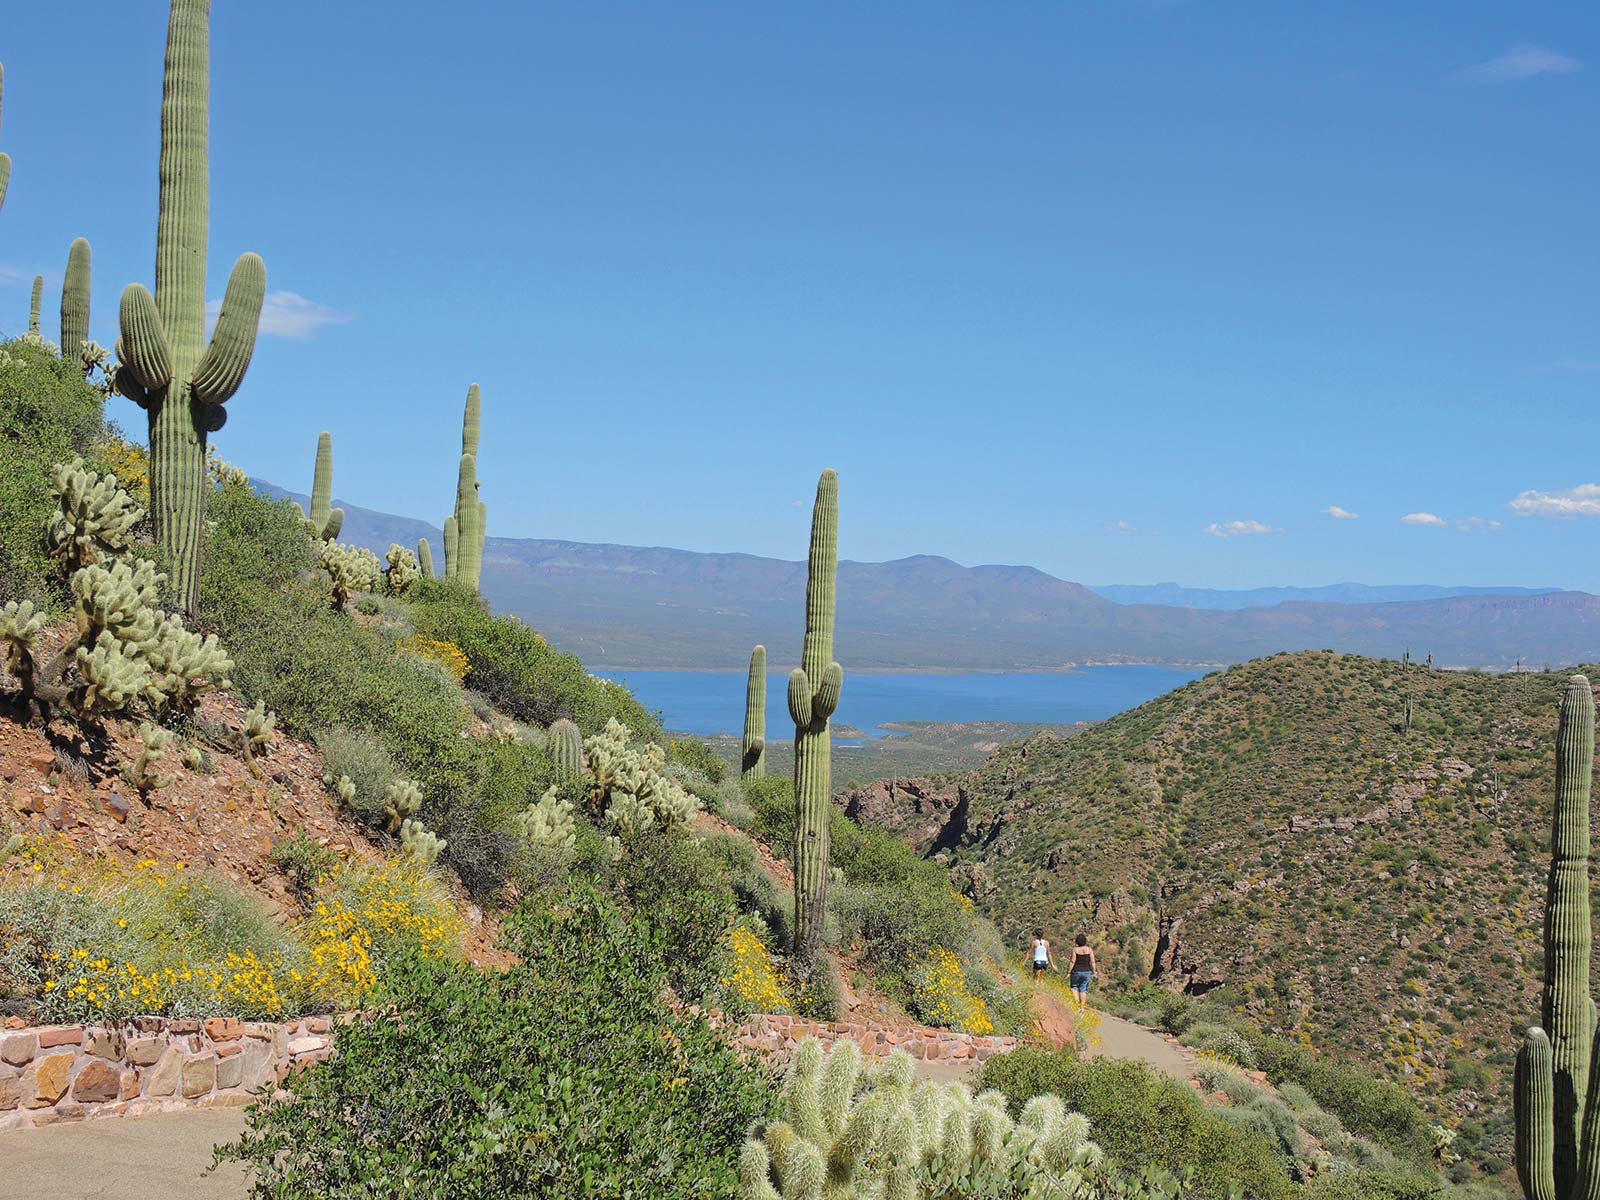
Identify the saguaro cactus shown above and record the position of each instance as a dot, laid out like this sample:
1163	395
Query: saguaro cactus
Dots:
164	363
1555	1101
325	520
566	749
75	302
5	159
464	529
813	695
33	305
425	558
753	765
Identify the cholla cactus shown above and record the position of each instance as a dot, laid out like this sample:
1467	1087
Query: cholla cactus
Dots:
92	520
125	647
138	773
353	570
401	799
19	638
255	739
345	789
630	788
548	821
183	667
418	843
897	1139
402	571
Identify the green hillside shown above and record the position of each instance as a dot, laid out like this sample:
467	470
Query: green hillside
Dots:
1272	835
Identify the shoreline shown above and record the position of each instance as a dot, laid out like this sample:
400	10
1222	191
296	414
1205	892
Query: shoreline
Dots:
784	669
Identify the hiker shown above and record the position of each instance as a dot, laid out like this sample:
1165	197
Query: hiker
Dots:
1041	954
1081	971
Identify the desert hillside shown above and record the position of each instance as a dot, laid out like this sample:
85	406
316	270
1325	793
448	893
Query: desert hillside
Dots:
1275	837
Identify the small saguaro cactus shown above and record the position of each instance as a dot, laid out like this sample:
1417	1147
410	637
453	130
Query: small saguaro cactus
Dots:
566	749
325	520
164	363
75	303
813	696
464	528
1556	1098
424	558
753	763
5	159
34	303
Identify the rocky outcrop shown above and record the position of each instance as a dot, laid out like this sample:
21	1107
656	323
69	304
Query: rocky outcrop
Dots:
919	811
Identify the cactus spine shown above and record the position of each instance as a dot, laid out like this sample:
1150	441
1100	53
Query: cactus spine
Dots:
425	558
753	765
1557	1110
5	159
813	696
326	521
33	305
75	302
464	529
164	363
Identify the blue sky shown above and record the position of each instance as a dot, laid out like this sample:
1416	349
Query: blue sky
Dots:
1124	290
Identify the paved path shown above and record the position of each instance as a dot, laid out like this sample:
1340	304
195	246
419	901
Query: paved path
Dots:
1117	1038
158	1157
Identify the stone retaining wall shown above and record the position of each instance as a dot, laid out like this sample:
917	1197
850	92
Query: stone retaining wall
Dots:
150	1064
153	1064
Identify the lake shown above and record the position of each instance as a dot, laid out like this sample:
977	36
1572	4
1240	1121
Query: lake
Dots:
708	702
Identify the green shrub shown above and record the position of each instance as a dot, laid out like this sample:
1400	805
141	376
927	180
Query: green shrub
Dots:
517	669
1145	1120
361	758
567	1075
317	669
303	864
48	415
691	752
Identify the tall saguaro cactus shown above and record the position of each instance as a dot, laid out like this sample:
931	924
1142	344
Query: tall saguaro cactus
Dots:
164	363
5	159
1555	1099
33	305
75	301
464	529
325	520
753	765
813	696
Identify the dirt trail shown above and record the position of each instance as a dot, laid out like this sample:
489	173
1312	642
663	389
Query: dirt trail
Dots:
1116	1038
128	1158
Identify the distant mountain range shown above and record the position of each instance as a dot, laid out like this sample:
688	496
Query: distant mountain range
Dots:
1178	596
642	607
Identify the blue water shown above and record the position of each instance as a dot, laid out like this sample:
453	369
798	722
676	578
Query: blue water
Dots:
707	702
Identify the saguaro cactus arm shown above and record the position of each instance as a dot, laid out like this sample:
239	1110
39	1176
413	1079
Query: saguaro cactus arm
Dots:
233	341
142	348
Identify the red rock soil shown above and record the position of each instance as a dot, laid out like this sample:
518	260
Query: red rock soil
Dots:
58	784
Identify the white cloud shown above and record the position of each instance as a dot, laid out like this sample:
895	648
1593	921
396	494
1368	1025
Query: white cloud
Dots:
1341	514
1580	501
1519	63
1464	524
1227	529
290	315
1122	527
